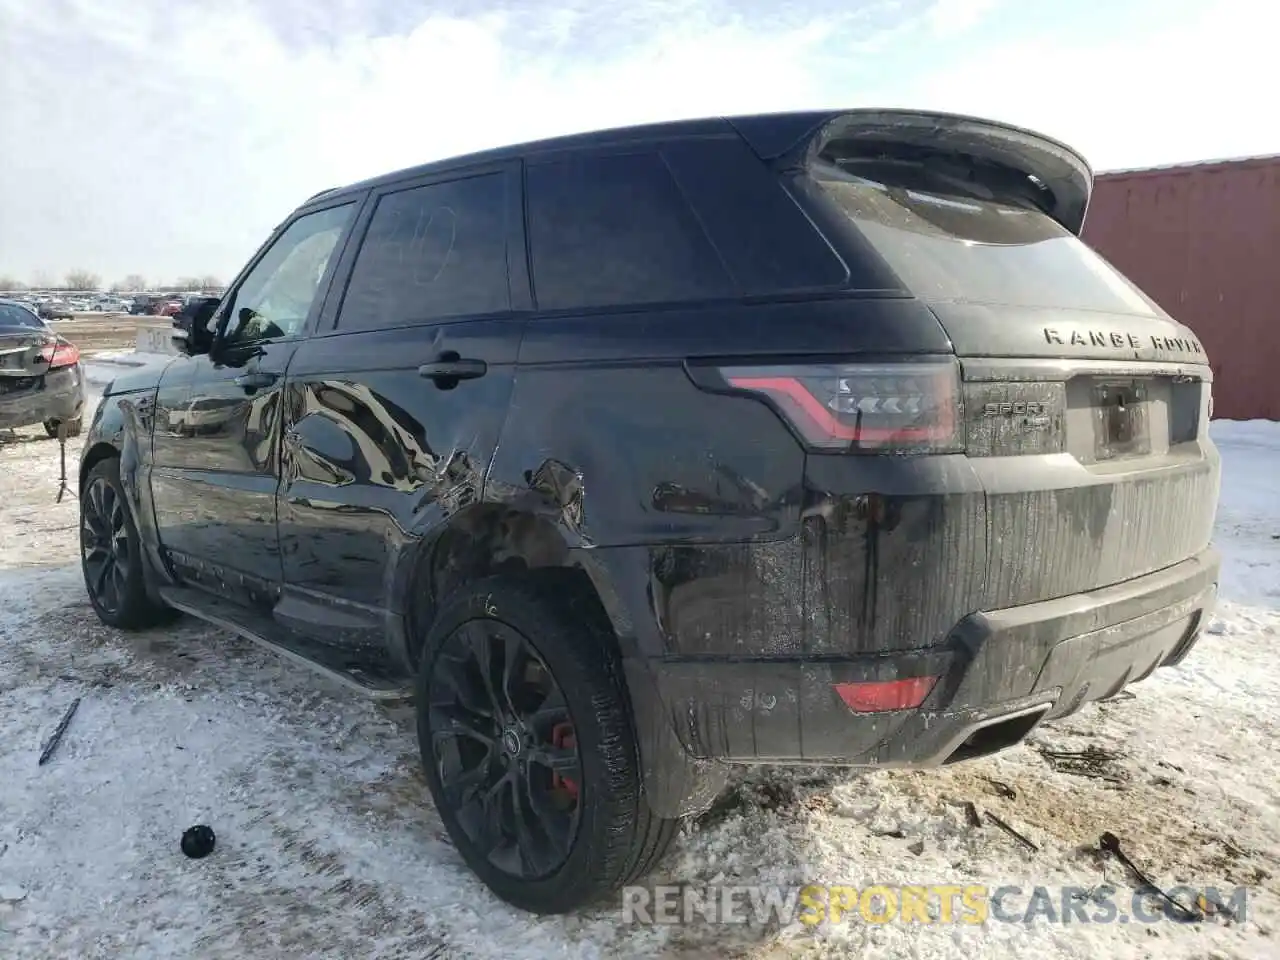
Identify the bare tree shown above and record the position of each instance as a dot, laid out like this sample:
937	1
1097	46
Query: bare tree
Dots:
131	283
188	283
41	280
10	282
83	280
210	282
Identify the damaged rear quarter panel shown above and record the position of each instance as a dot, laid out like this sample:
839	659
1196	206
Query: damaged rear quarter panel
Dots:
695	506
661	470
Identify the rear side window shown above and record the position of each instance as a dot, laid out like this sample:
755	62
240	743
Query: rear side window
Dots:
431	253
765	241
615	230
15	316
950	238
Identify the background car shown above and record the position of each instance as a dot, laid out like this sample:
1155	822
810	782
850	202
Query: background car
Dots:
56	310
41	379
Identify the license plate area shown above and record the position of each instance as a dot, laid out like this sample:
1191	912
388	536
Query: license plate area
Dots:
16	384
1121	419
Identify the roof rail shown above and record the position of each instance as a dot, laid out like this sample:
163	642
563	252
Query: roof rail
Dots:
320	194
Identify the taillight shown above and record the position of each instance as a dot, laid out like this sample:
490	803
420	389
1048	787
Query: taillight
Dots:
61	354
908	407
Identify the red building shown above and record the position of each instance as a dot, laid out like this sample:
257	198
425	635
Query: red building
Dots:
1203	240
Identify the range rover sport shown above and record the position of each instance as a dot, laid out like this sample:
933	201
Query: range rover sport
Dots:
815	437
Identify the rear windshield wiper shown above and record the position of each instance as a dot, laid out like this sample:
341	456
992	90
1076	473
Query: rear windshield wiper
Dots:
947	173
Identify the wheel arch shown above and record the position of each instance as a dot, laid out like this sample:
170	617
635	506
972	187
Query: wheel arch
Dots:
493	538
97	452
122	429
487	539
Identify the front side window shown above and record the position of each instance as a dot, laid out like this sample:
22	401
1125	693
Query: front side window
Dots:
276	297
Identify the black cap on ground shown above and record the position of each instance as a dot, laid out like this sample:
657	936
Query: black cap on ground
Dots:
198	841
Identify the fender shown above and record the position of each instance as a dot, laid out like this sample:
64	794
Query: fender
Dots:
122	427
480	525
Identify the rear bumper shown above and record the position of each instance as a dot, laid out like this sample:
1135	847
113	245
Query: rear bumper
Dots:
61	397
1001	672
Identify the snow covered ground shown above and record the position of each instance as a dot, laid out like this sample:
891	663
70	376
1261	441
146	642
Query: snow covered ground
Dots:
328	845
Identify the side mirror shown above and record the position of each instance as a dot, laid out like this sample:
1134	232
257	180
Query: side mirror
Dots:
191	334
181	341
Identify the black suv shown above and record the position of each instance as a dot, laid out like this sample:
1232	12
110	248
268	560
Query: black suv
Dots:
803	437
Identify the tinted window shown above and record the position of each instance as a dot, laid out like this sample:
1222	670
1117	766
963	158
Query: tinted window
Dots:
275	298
430	253
948	239
12	315
613	231
765	241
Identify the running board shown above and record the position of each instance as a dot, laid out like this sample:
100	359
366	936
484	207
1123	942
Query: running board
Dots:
331	662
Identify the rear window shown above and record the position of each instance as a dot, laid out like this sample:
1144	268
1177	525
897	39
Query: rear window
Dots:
12	315
947	241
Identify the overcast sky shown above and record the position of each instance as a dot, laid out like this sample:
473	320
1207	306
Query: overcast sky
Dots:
167	137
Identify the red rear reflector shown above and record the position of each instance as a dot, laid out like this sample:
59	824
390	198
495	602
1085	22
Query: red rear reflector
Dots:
881	696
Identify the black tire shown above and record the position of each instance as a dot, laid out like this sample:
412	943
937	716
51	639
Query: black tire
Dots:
114	581
73	427
614	838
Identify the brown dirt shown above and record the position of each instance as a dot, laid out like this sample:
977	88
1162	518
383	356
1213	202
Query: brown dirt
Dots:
93	332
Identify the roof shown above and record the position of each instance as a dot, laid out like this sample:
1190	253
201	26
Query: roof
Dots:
1194	166
771	135
618	135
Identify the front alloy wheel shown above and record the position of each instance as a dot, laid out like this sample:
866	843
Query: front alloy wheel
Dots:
111	553
105	546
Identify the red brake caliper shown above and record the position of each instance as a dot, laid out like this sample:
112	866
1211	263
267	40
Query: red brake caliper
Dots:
562	736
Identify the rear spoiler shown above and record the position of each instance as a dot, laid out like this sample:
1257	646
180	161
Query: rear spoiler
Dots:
800	137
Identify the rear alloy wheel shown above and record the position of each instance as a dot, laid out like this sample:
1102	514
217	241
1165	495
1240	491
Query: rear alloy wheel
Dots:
528	748
504	743
111	553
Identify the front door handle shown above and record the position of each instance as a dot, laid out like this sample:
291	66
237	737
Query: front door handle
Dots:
253	382
451	368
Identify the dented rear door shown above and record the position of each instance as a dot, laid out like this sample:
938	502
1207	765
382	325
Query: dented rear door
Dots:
393	409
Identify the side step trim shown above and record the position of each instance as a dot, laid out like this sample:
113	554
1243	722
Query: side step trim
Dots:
245	623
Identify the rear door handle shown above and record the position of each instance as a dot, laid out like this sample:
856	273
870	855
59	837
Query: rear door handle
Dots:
252	382
451	368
